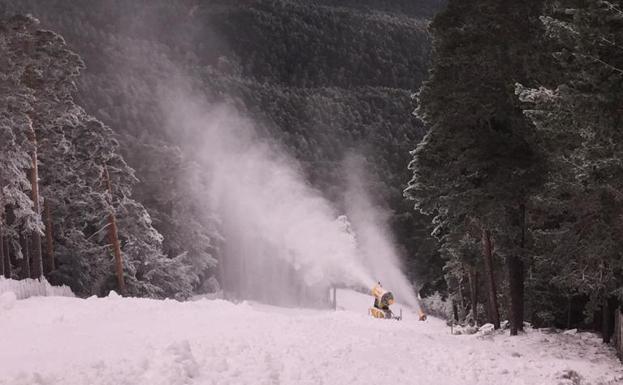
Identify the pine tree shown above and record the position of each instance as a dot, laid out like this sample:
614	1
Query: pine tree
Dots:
18	213
583	111
86	183
480	161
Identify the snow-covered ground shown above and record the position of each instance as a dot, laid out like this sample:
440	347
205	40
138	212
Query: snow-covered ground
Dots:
116	341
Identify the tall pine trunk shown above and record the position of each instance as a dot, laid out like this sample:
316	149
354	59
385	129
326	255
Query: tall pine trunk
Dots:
473	291
515	281
114	237
25	264
2	266
221	275
515	267
35	247
7	258
461	302
48	264
487	255
605	321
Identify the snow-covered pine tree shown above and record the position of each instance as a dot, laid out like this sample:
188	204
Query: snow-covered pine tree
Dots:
147	271
75	151
50	69
479	161
584	112
18	214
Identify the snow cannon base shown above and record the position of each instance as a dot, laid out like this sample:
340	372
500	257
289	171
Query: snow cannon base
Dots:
384	314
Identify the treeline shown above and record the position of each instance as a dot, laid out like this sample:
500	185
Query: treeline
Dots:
522	164
302	45
66	206
322	78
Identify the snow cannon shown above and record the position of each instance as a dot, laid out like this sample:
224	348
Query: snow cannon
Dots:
383	299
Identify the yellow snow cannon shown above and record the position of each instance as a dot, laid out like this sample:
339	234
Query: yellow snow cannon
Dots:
383	299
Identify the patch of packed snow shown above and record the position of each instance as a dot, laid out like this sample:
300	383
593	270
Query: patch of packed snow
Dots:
7	300
115	341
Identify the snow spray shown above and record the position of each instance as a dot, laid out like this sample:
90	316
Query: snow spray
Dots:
284	243
370	223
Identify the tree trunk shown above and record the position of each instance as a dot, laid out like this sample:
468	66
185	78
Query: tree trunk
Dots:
2	255
473	292
605	322
455	311
114	238
568	312
7	259
25	265
221	274
461	301
37	268
516	281
49	250
493	312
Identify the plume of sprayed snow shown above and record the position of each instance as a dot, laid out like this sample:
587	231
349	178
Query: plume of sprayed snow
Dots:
375	243
270	215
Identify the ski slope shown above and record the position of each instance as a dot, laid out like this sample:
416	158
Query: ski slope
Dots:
116	341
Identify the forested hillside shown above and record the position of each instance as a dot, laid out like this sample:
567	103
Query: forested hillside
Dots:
322	78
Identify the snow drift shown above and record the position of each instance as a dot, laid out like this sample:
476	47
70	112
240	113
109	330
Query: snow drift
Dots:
27	288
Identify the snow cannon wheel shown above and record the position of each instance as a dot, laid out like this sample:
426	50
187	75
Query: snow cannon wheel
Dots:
422	316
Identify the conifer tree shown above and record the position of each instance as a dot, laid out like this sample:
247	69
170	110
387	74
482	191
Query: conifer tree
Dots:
583	112
46	134
18	213
479	161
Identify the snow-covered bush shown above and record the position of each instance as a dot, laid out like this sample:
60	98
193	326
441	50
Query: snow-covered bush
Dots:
467	329
437	306
33	288
487	329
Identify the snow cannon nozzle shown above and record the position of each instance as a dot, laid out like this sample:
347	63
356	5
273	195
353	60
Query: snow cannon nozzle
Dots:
382	296
383	299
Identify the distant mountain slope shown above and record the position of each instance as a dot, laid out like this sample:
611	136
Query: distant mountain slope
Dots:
322	77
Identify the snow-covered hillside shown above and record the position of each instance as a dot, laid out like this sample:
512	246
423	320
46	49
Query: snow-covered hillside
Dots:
115	341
